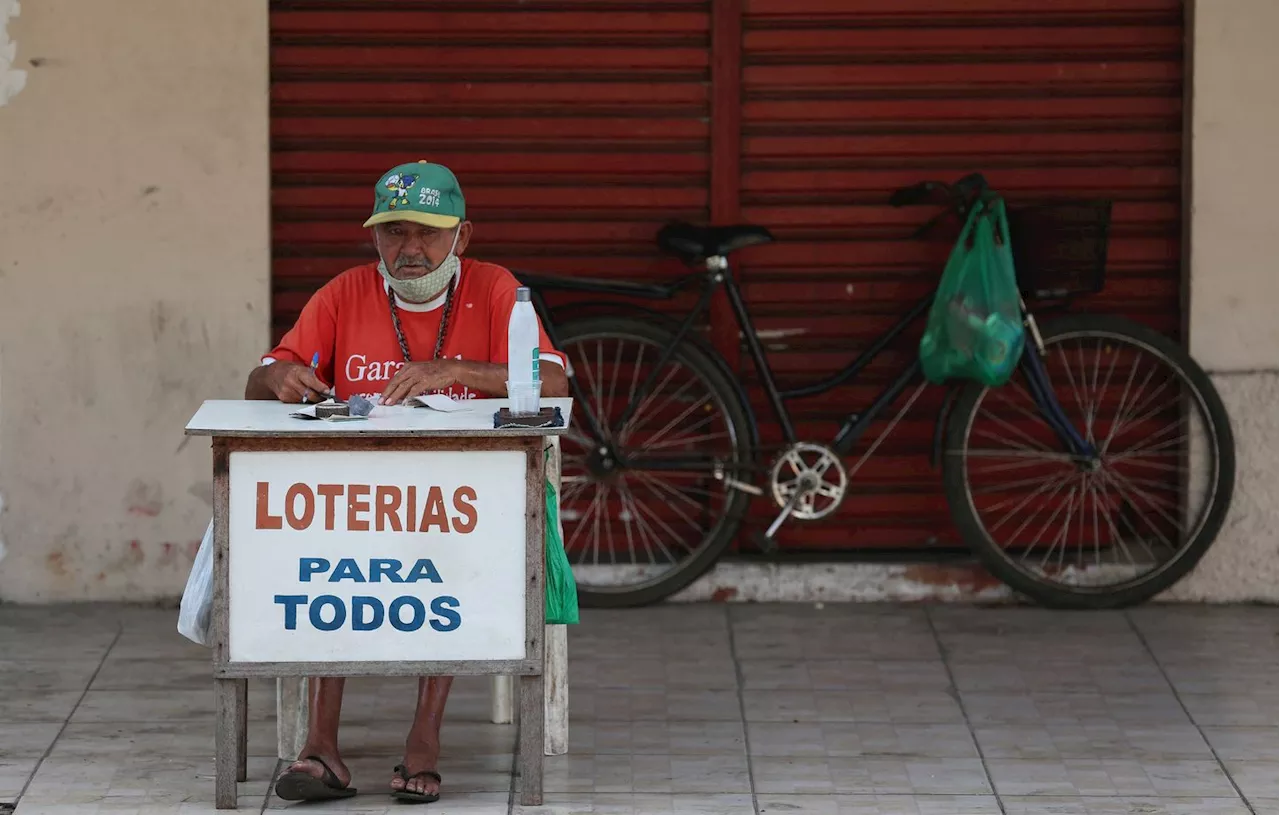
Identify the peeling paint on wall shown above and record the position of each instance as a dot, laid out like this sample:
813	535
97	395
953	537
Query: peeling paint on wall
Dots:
11	79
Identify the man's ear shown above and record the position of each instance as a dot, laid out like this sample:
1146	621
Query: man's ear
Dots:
464	238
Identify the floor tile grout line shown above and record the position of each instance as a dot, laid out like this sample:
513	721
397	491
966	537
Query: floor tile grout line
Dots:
1176	695
742	707
35	770
964	712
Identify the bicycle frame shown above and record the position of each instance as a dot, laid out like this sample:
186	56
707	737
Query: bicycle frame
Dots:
718	274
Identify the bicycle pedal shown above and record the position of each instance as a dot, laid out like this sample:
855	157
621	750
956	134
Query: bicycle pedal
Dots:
764	543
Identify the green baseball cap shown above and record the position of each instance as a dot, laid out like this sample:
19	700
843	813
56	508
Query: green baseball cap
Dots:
421	192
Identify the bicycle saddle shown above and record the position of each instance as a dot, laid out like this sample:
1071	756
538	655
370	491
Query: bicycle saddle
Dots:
695	243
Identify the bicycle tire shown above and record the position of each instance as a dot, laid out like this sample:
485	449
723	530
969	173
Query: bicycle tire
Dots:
709	372
1053	595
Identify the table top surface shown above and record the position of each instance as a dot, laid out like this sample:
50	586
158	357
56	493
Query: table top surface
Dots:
241	418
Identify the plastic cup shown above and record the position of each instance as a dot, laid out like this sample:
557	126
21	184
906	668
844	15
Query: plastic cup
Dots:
523	397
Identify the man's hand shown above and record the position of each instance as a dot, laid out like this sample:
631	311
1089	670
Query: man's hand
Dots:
416	378
286	381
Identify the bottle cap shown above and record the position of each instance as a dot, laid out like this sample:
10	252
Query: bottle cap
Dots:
522	294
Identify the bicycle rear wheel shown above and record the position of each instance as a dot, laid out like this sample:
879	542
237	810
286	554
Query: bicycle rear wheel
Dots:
646	510
1101	531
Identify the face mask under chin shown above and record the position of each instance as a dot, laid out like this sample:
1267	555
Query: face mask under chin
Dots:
421	289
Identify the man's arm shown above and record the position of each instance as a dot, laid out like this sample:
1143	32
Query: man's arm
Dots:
315	331
487	377
286	381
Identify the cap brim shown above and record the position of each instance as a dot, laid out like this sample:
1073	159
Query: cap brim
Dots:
424	218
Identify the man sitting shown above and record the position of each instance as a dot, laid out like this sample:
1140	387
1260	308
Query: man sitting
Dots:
420	320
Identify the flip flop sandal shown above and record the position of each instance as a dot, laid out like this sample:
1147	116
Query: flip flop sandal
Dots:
300	786
416	797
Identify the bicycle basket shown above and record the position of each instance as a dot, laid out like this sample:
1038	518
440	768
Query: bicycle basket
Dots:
1060	249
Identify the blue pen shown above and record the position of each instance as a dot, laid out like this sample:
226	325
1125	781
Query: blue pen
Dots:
315	363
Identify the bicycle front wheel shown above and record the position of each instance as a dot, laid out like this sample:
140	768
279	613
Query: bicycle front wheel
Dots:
646	509
1101	531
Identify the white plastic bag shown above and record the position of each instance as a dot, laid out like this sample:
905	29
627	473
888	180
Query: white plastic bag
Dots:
196	611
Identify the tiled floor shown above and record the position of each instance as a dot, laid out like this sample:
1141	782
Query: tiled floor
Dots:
843	710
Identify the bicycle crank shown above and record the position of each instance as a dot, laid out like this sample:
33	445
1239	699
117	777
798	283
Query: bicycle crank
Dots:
808	482
813	476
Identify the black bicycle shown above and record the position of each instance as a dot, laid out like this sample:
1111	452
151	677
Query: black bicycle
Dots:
1096	478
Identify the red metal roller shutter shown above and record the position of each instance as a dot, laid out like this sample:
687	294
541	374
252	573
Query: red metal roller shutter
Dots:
845	101
576	128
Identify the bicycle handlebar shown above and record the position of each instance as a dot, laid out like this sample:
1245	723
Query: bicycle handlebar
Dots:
962	191
959	196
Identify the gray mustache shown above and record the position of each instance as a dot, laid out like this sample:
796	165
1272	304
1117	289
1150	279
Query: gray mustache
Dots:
403	261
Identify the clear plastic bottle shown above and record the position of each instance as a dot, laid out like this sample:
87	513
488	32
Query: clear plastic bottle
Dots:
523	381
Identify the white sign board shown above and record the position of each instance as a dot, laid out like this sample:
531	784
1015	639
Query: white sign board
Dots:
358	556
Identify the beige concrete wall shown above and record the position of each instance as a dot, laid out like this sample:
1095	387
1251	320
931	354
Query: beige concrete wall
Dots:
1234	272
134	254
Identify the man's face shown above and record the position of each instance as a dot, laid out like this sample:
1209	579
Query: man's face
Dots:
411	249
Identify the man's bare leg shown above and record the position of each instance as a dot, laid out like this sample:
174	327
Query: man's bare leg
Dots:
325	706
422	747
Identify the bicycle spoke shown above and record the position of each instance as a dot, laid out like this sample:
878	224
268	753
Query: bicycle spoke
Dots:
635	376
1026	500
641	524
1155	465
669	398
1129	498
1161	449
665	499
1075	391
677	420
617	366
608	527
1115	532
603	495
1034	455
575	489
1035	445
678	440
1094	395
680	494
1013	485
1062	534
582	524
1038	418
1031	517
1139	447
655	519
626	429
1122	416
1016	465
595	393
1124	397
1154	501
692	439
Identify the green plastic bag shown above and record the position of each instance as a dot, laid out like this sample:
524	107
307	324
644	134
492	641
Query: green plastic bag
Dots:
562	590
974	330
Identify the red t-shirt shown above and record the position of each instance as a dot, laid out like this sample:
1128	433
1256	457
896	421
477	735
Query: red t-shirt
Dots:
349	322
